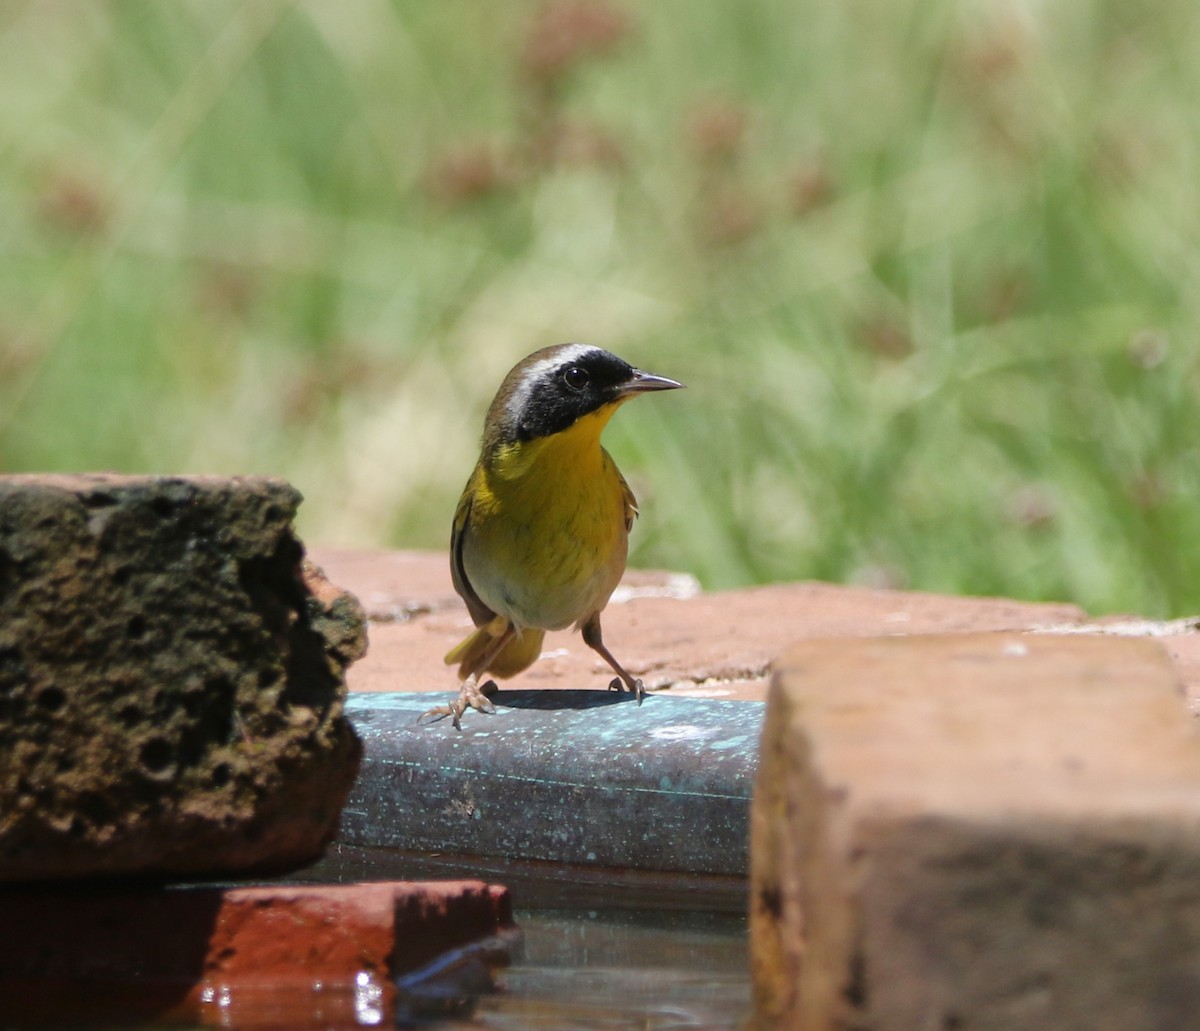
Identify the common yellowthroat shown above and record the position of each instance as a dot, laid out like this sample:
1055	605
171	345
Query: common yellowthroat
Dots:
541	530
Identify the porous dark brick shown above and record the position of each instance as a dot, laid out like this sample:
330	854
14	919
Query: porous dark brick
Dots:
171	688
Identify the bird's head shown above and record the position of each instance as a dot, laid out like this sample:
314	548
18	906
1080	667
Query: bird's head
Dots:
551	389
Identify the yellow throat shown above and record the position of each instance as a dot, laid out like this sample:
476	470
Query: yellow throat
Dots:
547	537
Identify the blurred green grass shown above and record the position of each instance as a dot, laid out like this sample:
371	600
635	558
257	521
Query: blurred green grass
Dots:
929	268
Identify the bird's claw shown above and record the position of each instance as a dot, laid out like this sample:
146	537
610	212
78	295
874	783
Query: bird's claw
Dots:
470	696
632	684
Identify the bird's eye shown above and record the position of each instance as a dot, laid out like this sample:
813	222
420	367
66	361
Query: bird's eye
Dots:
575	377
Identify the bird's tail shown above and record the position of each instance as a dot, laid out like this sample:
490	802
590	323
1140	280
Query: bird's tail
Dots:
515	656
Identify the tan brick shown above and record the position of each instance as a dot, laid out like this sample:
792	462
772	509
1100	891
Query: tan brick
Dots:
984	831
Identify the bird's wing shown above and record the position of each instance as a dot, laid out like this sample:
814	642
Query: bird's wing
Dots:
631	509
480	613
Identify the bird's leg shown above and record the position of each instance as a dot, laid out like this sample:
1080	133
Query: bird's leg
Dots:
470	694
593	639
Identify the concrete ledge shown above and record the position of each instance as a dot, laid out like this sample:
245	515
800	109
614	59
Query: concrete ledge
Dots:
573	778
981	831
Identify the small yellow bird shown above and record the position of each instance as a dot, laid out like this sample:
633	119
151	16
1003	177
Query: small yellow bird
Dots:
541	530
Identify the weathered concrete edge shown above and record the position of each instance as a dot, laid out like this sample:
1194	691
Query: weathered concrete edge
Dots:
665	786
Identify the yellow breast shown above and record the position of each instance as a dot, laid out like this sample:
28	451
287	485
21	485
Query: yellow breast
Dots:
546	539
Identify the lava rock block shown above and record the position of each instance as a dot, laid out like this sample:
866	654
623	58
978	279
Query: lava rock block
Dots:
171	679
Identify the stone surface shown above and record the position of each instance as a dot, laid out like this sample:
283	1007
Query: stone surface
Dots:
284	955
170	690
659	625
980	831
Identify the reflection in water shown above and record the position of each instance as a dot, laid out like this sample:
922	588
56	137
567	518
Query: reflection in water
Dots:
650	972
575	971
368	999
450	986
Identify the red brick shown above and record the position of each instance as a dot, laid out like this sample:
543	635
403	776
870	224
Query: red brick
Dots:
240	955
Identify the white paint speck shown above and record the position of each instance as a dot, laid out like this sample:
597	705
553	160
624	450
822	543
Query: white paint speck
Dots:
681	732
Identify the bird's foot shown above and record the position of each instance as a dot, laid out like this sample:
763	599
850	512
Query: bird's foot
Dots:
470	696
631	683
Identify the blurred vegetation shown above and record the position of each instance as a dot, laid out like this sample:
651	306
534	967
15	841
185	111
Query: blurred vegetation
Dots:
930	268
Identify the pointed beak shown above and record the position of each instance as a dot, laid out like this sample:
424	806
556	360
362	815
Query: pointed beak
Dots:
643	382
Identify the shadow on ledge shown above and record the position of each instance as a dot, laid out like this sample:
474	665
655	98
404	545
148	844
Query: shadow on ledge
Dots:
549	699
